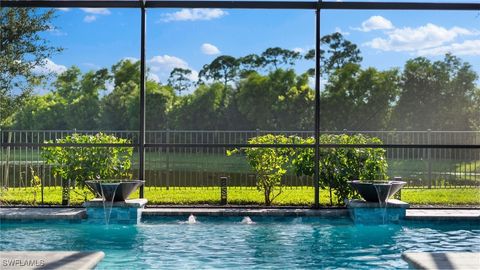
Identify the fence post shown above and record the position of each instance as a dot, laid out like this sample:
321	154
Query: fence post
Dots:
223	190
429	157
41	186
168	159
398	195
65	192
7	159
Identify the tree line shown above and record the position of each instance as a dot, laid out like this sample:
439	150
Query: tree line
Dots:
264	92
256	91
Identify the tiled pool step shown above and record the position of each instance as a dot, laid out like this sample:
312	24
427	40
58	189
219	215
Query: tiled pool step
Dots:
49	260
448	260
76	214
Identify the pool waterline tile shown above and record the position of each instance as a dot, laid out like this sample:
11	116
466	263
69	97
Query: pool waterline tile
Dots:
76	214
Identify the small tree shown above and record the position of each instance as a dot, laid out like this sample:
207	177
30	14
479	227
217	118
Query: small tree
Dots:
270	164
78	164
36	184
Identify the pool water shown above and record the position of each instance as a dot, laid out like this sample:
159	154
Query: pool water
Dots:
281	243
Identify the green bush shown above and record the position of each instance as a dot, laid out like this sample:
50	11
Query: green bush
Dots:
269	164
340	165
78	164
337	165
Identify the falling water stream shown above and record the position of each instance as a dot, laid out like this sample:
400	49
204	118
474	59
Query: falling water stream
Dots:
104	200
383	204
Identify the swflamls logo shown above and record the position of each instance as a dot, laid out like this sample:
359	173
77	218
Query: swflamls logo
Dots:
23	263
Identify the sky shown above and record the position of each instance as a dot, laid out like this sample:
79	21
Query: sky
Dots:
190	38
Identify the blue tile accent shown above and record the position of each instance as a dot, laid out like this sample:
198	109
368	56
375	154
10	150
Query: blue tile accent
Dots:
118	215
377	215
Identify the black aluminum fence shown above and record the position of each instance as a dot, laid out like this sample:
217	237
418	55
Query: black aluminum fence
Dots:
187	160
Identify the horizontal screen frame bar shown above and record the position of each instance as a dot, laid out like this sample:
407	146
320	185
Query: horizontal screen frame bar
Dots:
307	5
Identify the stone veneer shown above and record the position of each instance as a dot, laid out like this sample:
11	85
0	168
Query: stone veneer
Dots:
363	212
125	212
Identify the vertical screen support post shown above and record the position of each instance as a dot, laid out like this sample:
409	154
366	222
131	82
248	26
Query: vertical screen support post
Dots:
141	150
316	177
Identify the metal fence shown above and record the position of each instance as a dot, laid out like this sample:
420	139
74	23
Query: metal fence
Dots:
187	160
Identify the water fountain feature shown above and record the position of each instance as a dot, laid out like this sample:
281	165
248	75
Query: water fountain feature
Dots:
247	220
108	188
383	192
191	219
377	207
112	204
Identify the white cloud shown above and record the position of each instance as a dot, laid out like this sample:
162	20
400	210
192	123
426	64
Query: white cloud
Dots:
468	47
196	14
97	11
131	59
415	39
48	66
55	31
209	49
298	50
63	9
109	86
91	66
339	30
153	77
159	62
375	23
93	12
162	65
89	18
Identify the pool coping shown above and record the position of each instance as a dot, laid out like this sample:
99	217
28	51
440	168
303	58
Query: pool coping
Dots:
443	214
442	260
41	213
50	259
78	214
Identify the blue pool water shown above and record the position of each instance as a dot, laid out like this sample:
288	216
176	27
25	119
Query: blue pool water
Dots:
281	243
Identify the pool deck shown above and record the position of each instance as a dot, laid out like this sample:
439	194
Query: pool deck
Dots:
448	260
40	213
49	260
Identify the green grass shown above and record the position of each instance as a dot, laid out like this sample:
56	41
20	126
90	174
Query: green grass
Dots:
467	196
244	196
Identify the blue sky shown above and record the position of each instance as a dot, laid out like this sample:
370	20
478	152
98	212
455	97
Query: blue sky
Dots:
190	38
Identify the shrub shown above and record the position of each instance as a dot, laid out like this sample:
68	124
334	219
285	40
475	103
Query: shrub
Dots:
78	164
340	165
269	164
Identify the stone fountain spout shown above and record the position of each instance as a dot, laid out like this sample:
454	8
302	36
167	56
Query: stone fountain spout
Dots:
377	191
114	193
376	208
113	190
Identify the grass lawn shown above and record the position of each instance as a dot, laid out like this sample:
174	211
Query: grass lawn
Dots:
243	196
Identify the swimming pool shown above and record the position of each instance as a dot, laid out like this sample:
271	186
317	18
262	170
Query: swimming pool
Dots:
285	243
